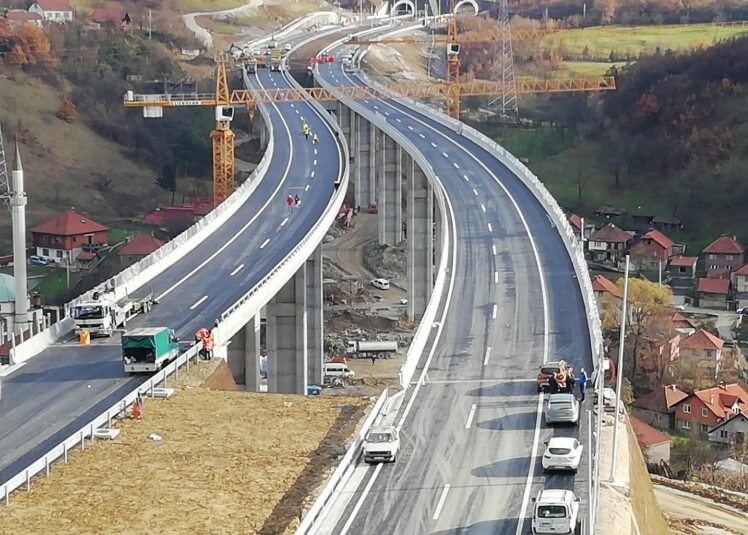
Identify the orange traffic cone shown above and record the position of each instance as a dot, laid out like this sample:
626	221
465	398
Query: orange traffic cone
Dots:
137	410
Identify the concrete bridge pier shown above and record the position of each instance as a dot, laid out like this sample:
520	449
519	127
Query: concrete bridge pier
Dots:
389	191
315	319
364	177
420	250
243	355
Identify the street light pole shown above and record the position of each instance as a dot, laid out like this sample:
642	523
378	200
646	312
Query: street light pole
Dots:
619	370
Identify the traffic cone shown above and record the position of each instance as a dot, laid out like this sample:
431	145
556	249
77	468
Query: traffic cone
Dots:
137	410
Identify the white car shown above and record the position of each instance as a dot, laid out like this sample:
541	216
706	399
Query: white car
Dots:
555	511
382	284
381	444
562	453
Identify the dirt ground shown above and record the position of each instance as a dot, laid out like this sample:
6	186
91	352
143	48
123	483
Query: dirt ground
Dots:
226	461
691	514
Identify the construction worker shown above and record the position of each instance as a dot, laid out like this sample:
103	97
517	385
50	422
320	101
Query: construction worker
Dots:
208	345
200	336
296	200
315	139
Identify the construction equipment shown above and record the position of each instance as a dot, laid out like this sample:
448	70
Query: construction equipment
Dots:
275	59
103	314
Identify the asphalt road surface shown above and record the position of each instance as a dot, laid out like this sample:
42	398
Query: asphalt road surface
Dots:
61	389
471	435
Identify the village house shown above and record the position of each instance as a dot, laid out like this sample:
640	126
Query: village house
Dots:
655	444
608	244
652	250
682	273
713	293
740	286
62	239
18	17
657	408
111	16
576	225
682	324
704	351
723	256
704	409
139	246
732	430
53	10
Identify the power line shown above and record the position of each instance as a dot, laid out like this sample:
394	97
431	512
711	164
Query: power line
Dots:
506	102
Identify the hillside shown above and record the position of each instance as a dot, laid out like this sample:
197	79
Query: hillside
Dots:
671	141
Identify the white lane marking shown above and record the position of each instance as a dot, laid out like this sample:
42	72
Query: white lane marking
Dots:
410	128
283	223
422	136
496	277
376	107
237	270
267	240
360	501
398	119
312	175
248	223
441	502
457	166
387	113
315	151
494	311
302	117
490	228
203	298
467	179
306	188
433	144
488	354
475	191
493	249
483	207
292	105
470	416
297	112
314	162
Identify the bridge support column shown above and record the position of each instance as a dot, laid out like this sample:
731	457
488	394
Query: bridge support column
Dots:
420	212
389	183
314	295
364	135
287	337
243	355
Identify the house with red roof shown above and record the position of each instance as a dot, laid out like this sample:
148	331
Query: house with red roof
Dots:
657	408
111	16
682	273
608	244
740	286
608	296
732	430
576	223
653	249
18	17
63	238
655	444
704	409
59	11
704	351
713	293
723	254
682	324
137	248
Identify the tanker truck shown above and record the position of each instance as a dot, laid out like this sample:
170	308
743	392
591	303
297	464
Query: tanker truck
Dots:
357	348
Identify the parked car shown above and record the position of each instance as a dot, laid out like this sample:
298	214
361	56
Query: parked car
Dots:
313	390
562	409
381	444
548	370
38	261
336	369
562	453
382	284
555	511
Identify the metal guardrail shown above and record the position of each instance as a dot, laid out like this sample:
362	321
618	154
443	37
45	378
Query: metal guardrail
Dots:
336	479
44	463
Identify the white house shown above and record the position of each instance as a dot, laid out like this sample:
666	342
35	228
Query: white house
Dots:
732	430
53	10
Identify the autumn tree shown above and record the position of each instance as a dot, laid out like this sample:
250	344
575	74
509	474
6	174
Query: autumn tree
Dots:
17	56
67	111
646	301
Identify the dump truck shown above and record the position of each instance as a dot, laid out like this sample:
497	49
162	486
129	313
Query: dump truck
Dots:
149	349
357	348
103	314
275	59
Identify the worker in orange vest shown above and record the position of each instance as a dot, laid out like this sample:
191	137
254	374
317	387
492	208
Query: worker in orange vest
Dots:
200	336
208	345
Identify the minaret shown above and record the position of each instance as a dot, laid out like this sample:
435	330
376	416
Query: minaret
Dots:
18	209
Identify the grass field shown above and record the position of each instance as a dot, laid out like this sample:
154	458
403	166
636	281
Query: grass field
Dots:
636	39
221	27
192	6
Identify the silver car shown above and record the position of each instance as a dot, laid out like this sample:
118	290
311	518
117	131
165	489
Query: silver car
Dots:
562	409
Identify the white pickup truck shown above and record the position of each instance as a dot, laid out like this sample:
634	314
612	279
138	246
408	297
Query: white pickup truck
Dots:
382	443
102	315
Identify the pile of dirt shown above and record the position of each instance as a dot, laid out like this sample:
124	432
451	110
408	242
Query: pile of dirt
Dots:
339	321
386	261
739	501
200	462
221	379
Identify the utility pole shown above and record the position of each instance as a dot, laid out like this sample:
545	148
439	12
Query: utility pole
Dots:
659	273
619	370
150	23
506	103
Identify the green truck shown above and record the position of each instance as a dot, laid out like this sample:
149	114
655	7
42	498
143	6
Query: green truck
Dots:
149	349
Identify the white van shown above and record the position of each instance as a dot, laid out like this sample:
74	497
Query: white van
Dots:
382	284
555	511
337	369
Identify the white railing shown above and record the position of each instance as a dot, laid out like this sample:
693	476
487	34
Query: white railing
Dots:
44	463
137	275
538	189
336	479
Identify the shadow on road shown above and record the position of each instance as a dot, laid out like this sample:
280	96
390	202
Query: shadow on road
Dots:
521	388
517	467
511	421
504	526
83	371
